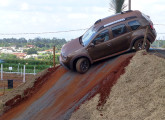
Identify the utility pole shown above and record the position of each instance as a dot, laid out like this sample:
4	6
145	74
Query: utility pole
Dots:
1	71
54	64
129	4
24	75
145	38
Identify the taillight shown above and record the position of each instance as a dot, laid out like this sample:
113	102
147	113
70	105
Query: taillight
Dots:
151	26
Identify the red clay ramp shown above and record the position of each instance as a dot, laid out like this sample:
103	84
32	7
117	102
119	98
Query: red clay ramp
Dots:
65	91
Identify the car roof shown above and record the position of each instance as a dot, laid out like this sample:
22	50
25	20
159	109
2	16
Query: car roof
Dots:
119	17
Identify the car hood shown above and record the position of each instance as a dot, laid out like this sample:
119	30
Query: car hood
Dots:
71	47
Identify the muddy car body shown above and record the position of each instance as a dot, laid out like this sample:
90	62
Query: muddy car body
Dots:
108	37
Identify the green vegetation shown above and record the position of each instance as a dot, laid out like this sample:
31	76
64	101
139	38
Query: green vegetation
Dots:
39	43
7	56
31	46
31	51
6	90
30	64
159	44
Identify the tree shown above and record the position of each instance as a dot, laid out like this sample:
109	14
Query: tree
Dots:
7	56
31	51
117	5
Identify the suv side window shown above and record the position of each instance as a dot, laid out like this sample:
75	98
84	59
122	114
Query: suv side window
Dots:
134	24
101	37
118	30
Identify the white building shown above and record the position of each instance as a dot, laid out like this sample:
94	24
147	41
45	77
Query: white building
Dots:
7	51
31	56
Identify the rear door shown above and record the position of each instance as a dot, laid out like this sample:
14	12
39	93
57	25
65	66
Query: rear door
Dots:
121	38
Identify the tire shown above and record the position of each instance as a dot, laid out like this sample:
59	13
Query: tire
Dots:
139	45
82	65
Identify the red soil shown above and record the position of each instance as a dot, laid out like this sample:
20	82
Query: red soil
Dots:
71	94
107	83
29	91
17	79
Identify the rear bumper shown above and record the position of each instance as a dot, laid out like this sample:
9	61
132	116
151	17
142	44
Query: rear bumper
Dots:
152	36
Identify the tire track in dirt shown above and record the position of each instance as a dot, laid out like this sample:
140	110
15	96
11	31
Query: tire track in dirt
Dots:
64	91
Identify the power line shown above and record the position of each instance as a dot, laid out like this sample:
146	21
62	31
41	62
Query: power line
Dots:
42	32
160	33
37	33
160	24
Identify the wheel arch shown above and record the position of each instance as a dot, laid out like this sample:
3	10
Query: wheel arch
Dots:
140	37
74	61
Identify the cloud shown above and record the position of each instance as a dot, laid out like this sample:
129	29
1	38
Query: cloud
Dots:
77	16
5	3
56	15
99	9
47	8
24	6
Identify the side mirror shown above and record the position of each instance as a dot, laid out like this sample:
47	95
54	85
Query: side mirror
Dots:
91	45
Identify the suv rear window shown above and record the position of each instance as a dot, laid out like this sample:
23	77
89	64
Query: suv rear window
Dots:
146	17
118	30
134	24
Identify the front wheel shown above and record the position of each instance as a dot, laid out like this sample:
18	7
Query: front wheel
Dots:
82	65
139	45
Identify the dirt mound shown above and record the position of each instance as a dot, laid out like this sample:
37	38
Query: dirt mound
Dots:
138	94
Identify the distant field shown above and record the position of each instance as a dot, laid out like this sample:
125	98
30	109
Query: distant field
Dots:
31	65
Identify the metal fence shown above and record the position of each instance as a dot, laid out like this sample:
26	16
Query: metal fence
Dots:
21	72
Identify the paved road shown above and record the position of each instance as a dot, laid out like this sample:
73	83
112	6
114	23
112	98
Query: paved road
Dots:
159	52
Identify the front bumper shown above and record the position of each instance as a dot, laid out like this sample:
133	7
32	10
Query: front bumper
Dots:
64	63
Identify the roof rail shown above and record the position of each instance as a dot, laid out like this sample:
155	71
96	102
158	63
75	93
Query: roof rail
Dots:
126	11
98	21
132	17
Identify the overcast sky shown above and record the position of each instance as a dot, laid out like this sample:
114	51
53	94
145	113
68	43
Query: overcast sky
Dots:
36	16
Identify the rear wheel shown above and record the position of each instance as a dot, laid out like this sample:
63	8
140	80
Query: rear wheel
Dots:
82	65
139	45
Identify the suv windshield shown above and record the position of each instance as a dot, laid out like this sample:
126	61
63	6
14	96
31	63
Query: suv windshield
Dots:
89	34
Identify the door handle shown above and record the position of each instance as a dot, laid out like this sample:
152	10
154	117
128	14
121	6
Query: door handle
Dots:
109	44
128	37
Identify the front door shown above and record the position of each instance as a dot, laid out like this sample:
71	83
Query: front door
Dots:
101	45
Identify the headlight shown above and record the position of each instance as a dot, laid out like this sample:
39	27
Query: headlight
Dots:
64	57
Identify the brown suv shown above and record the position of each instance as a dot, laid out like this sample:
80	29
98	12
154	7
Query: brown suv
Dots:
108	37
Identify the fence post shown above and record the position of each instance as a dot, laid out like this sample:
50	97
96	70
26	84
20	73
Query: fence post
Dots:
34	70
145	38
21	71
54	64
18	67
1	71
24	75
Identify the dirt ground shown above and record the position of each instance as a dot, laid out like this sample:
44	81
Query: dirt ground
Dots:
10	98
17	81
138	94
64	91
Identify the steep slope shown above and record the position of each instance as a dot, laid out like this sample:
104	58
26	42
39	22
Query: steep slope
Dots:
64	91
138	94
